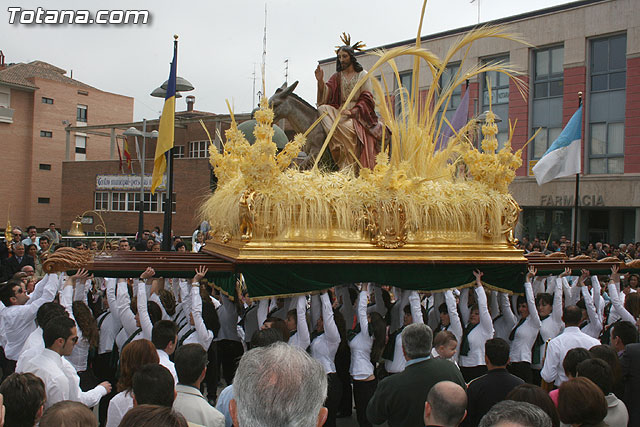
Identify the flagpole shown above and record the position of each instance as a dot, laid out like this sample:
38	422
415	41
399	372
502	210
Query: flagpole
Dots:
168	206
575	199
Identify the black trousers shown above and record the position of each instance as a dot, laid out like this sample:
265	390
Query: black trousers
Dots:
343	361
229	354
470	373
362	393
521	370
334	395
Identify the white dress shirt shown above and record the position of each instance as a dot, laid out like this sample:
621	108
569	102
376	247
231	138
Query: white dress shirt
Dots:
118	407
480	334
79	357
203	335
301	338
324	347
552	325
505	321
228	316
111	325
399	362
167	363
61	380
18	321
618	304
526	334
361	367
594	327
572	337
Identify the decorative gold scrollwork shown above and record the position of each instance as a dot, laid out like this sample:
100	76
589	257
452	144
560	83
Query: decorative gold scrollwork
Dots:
389	230
508	221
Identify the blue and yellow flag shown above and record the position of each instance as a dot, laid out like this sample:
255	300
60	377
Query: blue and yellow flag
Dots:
166	128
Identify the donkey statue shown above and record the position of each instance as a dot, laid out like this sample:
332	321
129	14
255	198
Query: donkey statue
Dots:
301	115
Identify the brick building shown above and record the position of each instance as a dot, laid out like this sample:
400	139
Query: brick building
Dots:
37	102
590	46
102	186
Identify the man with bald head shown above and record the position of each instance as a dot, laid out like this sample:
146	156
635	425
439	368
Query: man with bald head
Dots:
446	405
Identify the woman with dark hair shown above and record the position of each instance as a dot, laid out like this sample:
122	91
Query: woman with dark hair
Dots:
134	355
581	403
478	330
297	324
325	341
366	342
523	336
537	396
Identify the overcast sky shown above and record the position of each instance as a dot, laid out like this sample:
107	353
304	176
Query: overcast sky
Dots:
221	41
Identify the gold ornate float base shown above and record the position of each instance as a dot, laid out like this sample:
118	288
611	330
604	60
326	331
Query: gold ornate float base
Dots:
342	251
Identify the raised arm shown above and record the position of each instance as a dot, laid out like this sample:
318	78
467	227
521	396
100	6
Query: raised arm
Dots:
464	305
614	294
414	305
571	297
596	289
330	327
378	306
494	307
362	308
304	338
556	314
506	310
205	336
454	319
538	285
123	304
485	317
263	311
316	309
531	302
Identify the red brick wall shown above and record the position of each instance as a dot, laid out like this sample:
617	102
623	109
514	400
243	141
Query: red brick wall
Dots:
20	169
15	161
632	118
519	110
191	185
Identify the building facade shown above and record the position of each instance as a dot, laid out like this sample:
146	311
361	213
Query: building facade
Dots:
590	47
113	189
37	102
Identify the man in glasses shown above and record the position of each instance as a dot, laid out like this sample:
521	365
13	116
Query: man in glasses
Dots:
18	260
60	377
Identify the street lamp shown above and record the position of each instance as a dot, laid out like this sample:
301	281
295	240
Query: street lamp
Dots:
141	157
182	85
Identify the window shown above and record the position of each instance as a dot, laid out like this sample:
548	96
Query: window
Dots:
46	134
81	148
118	201
448	76
133	202
5	97
198	149
607	75
45	167
163	201
499	97
44	200
151	202
83	92
548	81
47	100
178	151
81	115
101	201
403	92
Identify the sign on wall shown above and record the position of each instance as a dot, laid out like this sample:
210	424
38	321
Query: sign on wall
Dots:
125	182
